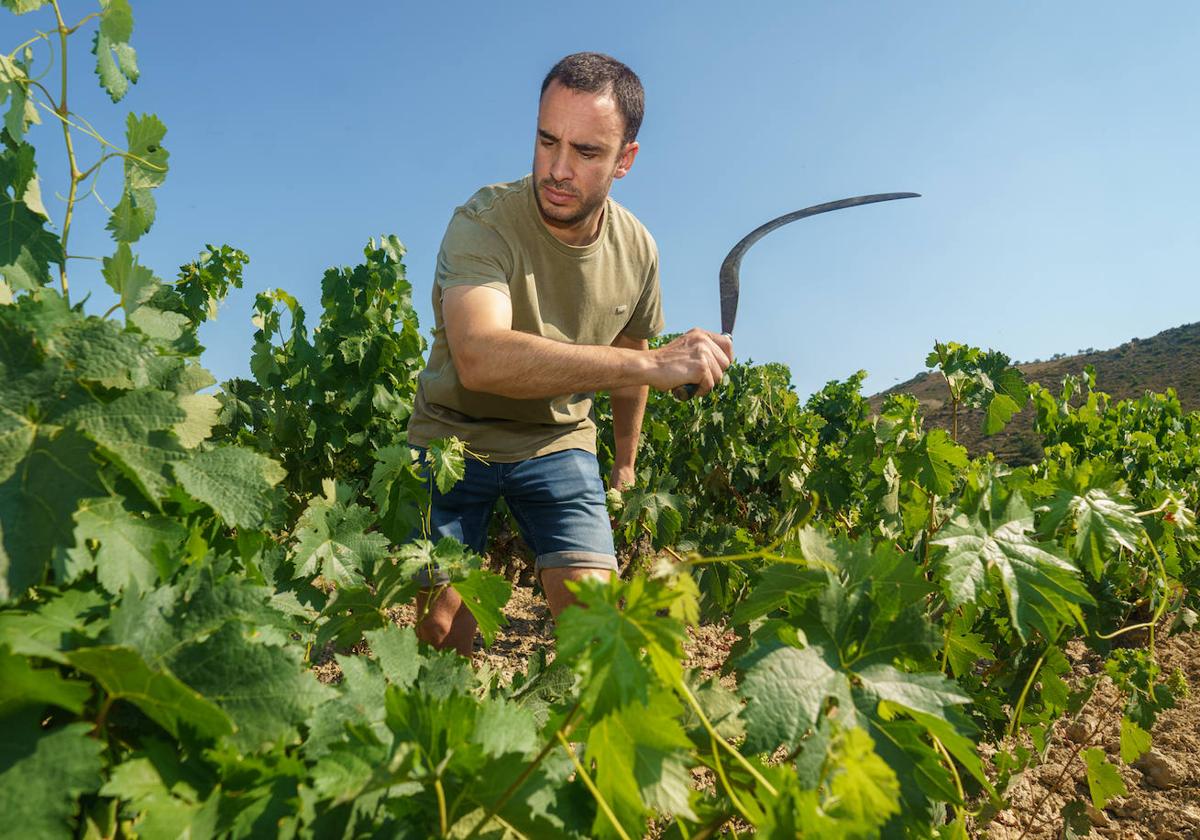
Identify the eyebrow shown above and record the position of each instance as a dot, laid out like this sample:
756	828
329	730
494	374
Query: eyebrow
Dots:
579	147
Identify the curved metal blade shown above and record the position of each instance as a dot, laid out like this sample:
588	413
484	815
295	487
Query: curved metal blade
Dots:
730	280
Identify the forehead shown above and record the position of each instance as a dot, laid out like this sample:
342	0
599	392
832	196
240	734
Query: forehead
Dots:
593	116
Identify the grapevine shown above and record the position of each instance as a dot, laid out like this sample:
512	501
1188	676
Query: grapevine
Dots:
173	560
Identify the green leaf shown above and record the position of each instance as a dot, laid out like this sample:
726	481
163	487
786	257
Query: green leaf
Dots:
786	691
20	7
396	649
779	584
933	462
268	691
57	625
132	431
27	248
603	642
927	692
964	649
133	283
864	788
234	482
200	415
1135	741
446	459
641	758
23	685
1102	524
125	675
485	594
145	170
1104	780
161	808
1042	589
131	546
37	503
332	540
29	756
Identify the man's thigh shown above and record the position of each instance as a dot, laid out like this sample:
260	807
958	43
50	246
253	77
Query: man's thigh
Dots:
559	504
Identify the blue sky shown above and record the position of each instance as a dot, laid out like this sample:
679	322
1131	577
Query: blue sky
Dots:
1055	146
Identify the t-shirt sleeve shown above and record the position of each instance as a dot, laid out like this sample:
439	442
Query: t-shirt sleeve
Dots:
472	254
647	318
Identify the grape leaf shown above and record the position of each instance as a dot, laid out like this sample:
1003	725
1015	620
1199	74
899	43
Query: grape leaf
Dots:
1042	589
37	503
864	788
29	756
132	431
116	62
125	675
640	753
1102	524
145	169
934	462
396	649
23	685
130	545
485	594
1135	741
446	459
786	690
234	482
603	642
1104	780
27	248
332	540
267	691
133	283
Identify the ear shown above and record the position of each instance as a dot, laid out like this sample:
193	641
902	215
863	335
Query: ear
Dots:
625	160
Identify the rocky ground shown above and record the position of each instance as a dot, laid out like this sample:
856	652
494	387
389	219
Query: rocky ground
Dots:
1164	786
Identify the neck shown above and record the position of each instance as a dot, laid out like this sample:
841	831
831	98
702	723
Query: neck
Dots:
580	233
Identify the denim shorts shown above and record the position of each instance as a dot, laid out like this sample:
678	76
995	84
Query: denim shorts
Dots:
557	501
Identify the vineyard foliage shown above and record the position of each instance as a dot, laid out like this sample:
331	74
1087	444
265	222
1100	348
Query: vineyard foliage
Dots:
173	559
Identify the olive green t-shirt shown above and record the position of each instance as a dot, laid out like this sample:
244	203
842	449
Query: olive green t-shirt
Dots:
581	295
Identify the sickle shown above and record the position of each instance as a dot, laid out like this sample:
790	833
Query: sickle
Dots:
730	280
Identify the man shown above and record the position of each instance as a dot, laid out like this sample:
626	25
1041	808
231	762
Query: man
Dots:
546	291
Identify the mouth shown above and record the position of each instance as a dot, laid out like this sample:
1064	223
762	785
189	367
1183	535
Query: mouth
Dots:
556	196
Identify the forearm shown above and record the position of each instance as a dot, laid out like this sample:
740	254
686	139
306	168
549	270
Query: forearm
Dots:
628	409
524	366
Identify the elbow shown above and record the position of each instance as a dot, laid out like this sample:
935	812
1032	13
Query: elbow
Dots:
476	373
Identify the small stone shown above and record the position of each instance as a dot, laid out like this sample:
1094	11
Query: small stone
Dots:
1097	818
1078	731
1168	835
1157	771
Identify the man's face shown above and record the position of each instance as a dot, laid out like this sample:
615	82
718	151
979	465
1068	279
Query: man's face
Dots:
578	153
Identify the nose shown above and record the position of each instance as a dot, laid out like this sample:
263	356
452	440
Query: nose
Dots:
560	163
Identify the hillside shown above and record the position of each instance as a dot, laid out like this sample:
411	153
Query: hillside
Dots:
1170	359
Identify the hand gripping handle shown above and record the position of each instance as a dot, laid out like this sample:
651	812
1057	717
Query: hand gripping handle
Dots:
686	392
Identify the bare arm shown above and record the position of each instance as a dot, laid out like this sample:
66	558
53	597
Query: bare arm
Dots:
490	356
628	408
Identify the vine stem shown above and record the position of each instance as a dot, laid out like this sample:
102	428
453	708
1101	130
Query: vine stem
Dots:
441	798
62	111
716	753
564	729
591	786
1037	667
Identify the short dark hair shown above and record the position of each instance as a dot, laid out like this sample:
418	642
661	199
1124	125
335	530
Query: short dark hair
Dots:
591	72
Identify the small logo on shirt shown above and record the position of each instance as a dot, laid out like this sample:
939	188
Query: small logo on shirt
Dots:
620	310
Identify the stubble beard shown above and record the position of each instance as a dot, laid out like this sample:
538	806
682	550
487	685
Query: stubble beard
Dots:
586	209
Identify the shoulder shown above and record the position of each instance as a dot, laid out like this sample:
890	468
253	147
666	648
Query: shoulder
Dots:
496	204
627	230
486	221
